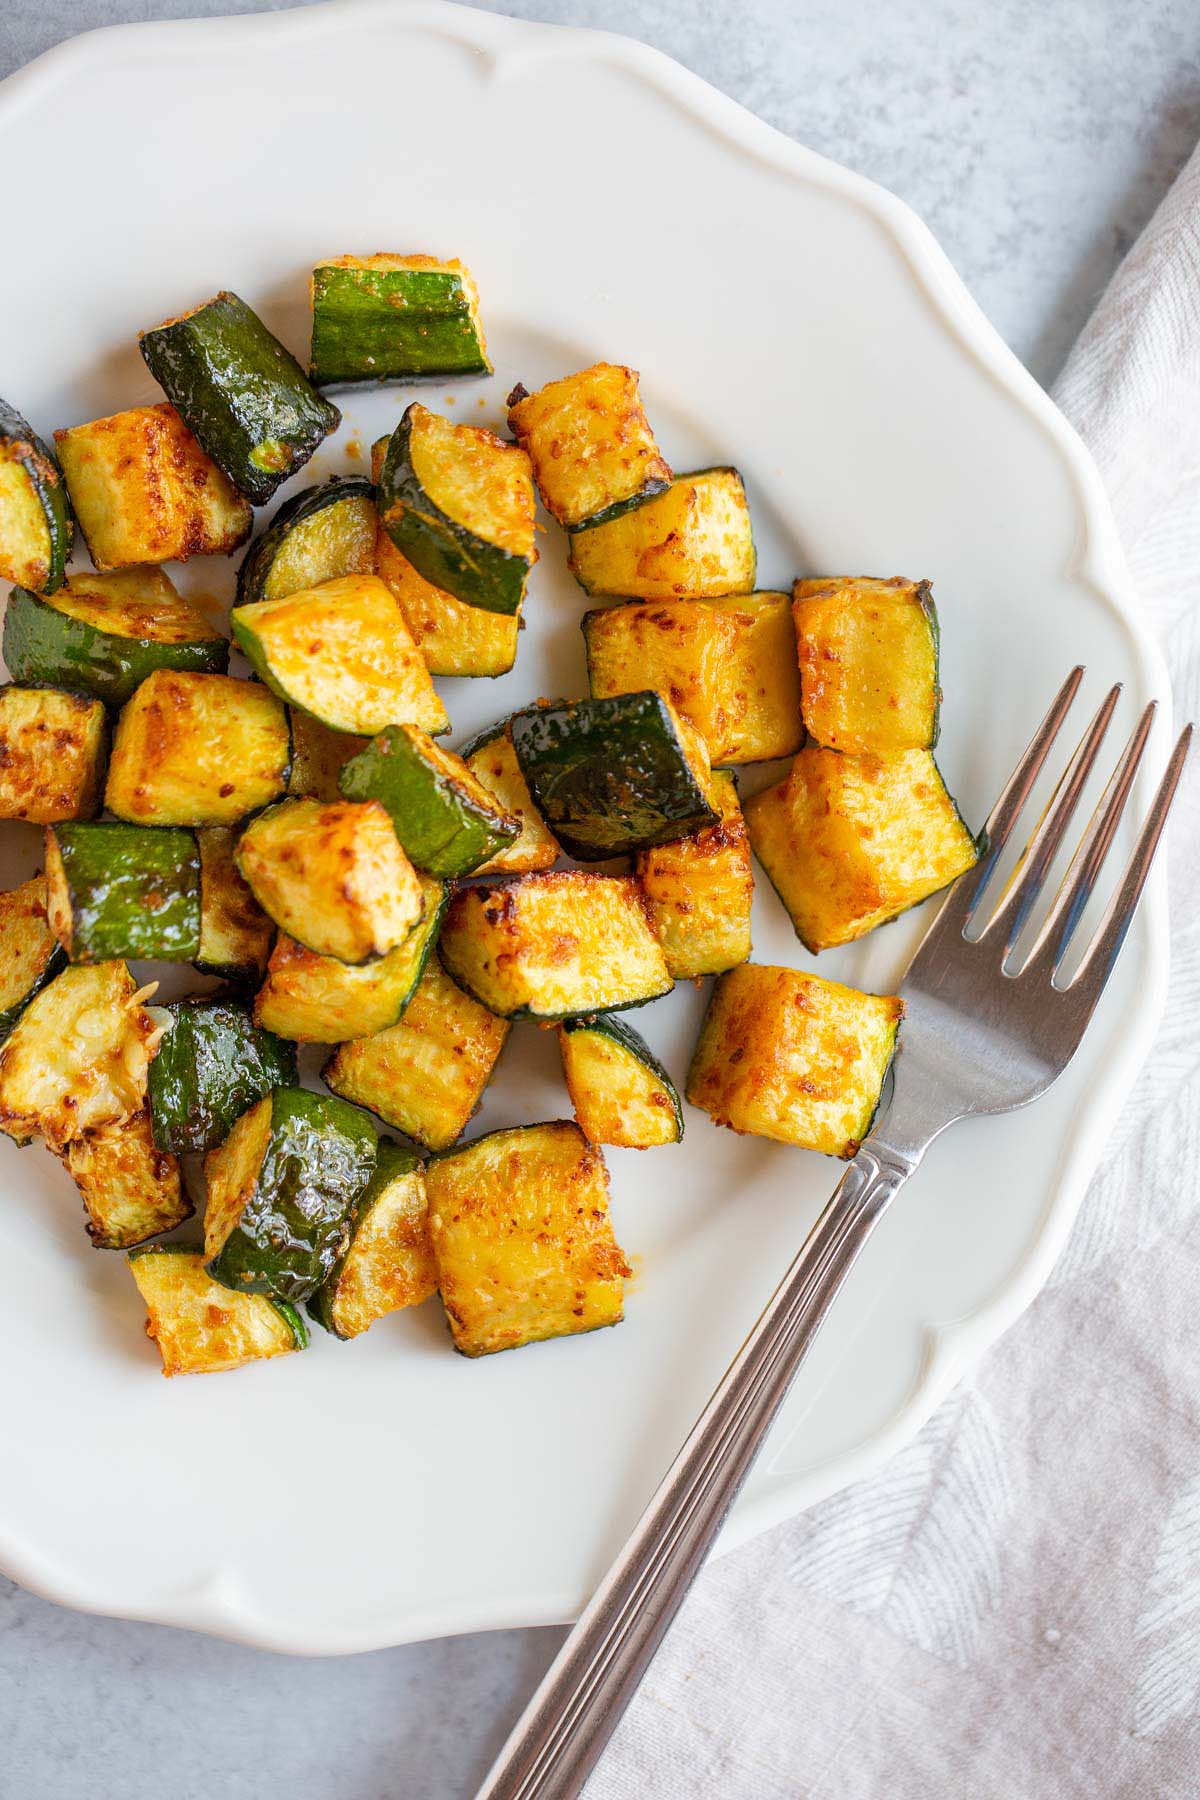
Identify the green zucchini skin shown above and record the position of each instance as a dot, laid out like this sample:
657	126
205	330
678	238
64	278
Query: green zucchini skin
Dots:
441	827
287	1312
19	443
213	1063
392	1161
385	325
295	1225
609	776
43	646
444	552
240	392
129	890
613	1026
256	565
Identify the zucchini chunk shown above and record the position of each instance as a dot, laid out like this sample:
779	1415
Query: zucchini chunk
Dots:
103	634
213	1064
333	876
493	761
699	891
388	1263
123	890
523	1239
444	817
145	492
201	1327
30	954
244	395
457	501
621	1093
394	318
317	535
343	653
235	933
36	527
616	775
728	666
130	1188
51	754
868	663
590	444
78	1056
318	1000
691	541
454	638
318	756
851	841
552	946
197	750
427	1074
282	1191
788	1056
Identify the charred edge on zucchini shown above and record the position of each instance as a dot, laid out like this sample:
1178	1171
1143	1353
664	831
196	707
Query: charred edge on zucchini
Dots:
213	1064
590	444
130	1188
317	535
621	1093
123	890
445	819
868	653
197	750
52	747
199	1326
36	525
388	1263
394	318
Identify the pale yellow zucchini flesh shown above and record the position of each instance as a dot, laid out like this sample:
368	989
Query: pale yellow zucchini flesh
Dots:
699	891
202	1328
494	765
868	657
692	541
589	441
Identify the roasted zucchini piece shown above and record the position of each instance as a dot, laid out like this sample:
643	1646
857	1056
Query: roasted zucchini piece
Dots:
493	761
868	663
130	1188
30	954
552	946
244	395
699	891
850	841
523	1239
213	1064
394	318
103	634
457	501
788	1056
318	756
590	444
318	1000
36	527
692	541
78	1056
282	1192
613	776
235	933
727	666
444	817
200	1327
145	492
427	1074
343	653
317	535
197	750
621	1093
454	638
51	754
333	876
388	1263
123	890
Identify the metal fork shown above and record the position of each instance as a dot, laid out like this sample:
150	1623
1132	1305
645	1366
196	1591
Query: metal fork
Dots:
988	1027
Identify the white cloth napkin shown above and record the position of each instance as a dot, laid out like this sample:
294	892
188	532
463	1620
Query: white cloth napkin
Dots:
1010	1610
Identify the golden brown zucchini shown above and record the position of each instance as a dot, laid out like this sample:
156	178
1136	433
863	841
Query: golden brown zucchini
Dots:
235	933
621	1093
699	891
51	755
868	663
200	1326
691	541
388	1262
493	761
590	443
30	953
197	750
318	756
130	1188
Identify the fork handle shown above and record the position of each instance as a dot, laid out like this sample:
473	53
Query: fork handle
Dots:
559	1737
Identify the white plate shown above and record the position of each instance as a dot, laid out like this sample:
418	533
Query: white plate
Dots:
787	316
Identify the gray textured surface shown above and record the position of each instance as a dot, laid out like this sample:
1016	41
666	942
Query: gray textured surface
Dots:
1035	139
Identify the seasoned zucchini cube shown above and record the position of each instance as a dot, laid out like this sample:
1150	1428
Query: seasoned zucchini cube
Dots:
213	1064
318	756
30	954
197	750
552	946
613	776
727	666
427	1074
36	527
788	1056
144	491
621	1093
235	933
868	664
333	876
394	318
51	755
851	841
130	1188
388	1263
493	761
343	653
319	534
692	541
200	1326
590	443
523	1239
446	820
699	891
123	890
